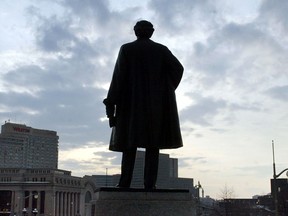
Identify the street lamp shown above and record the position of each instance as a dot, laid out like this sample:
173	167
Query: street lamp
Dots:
35	196
275	176
199	186
34	212
24	211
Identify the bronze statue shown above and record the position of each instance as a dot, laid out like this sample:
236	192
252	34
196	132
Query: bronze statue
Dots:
141	104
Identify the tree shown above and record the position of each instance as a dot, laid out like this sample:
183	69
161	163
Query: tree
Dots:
227	193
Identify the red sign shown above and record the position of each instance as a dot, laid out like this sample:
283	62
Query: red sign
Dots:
23	130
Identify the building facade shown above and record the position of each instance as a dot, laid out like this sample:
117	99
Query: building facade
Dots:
279	192
31	181
167	175
22	146
50	192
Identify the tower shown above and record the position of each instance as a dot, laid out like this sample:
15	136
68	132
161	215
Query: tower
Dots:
22	146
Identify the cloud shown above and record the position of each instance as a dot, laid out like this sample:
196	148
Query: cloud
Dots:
88	160
203	110
112	157
76	49
235	67
28	79
87	8
274	16
279	92
64	87
233	51
259	170
55	37
230	71
180	16
187	162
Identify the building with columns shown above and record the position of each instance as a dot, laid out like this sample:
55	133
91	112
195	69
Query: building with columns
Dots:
30	180
50	192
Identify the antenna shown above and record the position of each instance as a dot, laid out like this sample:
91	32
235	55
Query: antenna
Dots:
274	167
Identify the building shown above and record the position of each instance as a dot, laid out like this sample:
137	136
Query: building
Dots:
31	181
26	147
50	192
239	207
280	186
166	170
167	175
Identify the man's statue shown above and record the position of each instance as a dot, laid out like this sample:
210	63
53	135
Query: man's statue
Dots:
141	104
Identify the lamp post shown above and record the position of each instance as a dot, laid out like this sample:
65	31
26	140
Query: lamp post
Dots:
275	176
199	186
106	177
24	211
34	196
34	212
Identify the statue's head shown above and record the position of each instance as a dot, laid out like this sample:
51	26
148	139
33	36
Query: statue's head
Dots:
143	29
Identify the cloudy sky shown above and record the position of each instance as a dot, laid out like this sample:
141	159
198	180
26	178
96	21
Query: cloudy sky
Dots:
57	59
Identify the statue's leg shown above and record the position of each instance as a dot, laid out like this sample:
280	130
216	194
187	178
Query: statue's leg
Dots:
151	168
127	167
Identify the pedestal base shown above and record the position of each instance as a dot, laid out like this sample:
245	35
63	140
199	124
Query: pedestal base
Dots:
138	202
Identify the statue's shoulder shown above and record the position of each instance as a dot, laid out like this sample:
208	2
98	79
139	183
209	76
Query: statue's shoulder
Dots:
143	44
128	44
156	44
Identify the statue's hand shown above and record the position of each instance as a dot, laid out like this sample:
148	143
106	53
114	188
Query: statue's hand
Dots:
112	121
110	112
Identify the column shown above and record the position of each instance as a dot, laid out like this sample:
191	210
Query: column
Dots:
60	212
56	203
75	203
12	202
38	200
29	207
73	206
26	199
65	203
18	202
78	202
69	203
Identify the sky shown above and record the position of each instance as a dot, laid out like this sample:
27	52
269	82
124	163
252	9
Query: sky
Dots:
57	59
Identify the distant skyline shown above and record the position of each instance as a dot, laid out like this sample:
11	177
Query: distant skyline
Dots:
57	59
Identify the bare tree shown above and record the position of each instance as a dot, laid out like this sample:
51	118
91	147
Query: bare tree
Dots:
227	193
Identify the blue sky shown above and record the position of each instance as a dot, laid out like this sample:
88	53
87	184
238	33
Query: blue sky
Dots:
57	59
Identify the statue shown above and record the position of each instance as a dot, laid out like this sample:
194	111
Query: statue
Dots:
141	104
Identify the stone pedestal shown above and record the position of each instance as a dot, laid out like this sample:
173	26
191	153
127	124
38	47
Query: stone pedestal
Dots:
138	202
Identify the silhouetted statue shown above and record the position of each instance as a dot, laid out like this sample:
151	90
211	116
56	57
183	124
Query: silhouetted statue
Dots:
141	104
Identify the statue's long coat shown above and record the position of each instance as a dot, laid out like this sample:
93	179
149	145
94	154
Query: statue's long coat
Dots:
143	86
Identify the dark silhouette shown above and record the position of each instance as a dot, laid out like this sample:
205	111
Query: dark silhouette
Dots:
141	104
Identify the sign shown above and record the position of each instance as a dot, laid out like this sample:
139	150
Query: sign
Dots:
21	130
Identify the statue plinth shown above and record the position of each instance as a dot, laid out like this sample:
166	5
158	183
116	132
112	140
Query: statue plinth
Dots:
140	202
